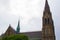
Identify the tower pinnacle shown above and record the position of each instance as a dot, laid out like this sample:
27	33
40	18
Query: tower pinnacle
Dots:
47	6
47	9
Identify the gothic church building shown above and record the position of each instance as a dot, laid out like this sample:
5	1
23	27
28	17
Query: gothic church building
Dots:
47	32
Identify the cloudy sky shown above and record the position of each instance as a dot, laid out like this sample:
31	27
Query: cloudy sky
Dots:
29	12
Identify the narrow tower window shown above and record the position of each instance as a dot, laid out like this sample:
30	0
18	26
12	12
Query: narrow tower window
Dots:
47	21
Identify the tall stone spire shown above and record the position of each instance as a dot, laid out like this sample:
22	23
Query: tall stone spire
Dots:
18	26
48	32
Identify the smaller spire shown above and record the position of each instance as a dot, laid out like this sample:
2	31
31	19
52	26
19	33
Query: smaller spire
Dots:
18	26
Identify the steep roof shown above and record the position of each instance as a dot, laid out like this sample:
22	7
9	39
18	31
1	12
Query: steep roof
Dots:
10	31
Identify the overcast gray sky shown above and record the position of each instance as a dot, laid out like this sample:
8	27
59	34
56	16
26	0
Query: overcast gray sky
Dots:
30	13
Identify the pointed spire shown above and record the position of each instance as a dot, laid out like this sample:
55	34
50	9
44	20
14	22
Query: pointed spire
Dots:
46	6
18	26
47	9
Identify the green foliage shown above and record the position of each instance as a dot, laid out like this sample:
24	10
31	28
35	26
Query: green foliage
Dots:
0	38
15	37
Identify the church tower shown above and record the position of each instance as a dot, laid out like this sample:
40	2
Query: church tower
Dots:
48	32
18	27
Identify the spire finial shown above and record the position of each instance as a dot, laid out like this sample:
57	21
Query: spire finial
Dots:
46	2
46	6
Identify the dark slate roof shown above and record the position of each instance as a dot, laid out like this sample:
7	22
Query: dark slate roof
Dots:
35	34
